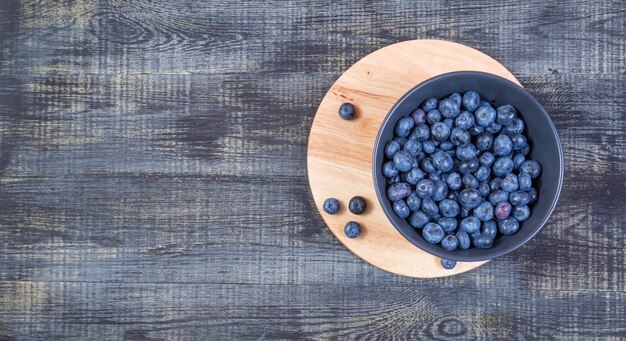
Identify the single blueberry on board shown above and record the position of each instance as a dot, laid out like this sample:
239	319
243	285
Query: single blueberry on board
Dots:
442	161
449	108
352	229
449	208
389	170
502	166
509	183
484	211
464	239
486	159
430	104
454	181
331	206
466	152
418	219
440	191
419	116
403	161
401	209
448	263
391	148
465	120
506	114
470	224
429	206
398	191
524	181
433	116
449	242
519	198
414	202
404	126
483	189
490	228
470	198
484	116
521	213
484	141
460	137
357	205
425	188
502	145
346	111
433	233
508	226
447	223
498	196
532	167
440	132
471	100
503	210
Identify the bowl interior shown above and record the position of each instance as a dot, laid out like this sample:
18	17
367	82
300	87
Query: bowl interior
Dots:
542	137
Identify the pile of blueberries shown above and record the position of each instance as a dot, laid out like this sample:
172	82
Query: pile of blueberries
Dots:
456	169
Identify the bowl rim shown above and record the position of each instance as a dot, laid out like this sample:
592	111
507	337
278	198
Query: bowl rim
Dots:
386	204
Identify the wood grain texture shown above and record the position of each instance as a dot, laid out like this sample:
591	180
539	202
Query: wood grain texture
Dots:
339	154
153	177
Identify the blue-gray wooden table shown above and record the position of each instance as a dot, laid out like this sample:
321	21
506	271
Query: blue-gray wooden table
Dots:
153	177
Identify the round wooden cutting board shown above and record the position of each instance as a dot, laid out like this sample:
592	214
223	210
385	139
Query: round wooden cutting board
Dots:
339	157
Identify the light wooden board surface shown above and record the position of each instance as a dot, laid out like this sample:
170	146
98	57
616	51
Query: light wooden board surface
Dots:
340	151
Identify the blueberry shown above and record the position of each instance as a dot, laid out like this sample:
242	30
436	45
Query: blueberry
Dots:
508	226
495	183
440	132
346	111
443	161
484	116
401	208
482	173
525	150
413	147
502	145
447	223
469	198
434	177
418	219
440	190
456	97
465	120
471	100
464	239
425	188
421	132
519	141
428	166
470	181
460	137
433	116
466	152
403	161
493	128
517	127
414	176
428	147
506	115
490	229
393	180
503	210
483	242
519	198
398	191
449	208
498	196
401	140
532	193
486	159
475	130
524	181
454	181
532	167
509	183
352	229
449	122
414	202
389	170
502	166
464	212
484	211
404	126
484	103
484	141
446	145
483	189
521	213
430	104
517	160
420	156
449	108
469	166
357	205
331	206
433	233
449	243
430	207
470	224
418	116
391	148
448	263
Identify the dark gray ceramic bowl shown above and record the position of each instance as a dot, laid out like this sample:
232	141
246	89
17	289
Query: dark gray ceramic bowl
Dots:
542	137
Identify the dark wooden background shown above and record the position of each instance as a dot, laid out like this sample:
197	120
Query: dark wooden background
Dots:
153	177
